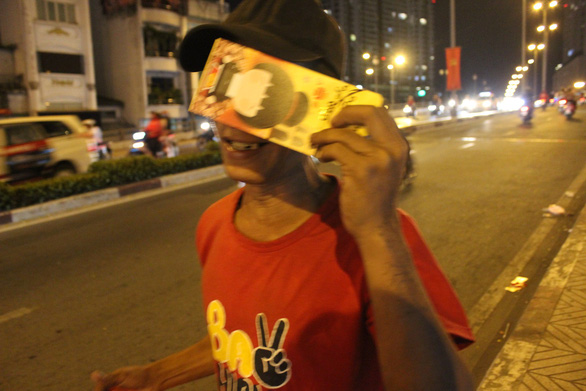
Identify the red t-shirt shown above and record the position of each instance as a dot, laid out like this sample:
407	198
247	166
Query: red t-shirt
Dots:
154	128
294	313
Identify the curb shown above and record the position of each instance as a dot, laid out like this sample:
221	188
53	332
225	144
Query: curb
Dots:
110	194
510	367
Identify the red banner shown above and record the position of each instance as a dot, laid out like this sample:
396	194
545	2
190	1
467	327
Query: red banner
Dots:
453	69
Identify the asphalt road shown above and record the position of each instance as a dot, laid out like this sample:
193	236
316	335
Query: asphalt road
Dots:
119	285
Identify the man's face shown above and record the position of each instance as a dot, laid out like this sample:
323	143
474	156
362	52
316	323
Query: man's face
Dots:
253	160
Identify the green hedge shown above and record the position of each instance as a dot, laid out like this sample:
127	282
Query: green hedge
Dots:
103	174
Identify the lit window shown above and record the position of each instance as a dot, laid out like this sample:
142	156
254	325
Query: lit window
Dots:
56	11
402	16
423	21
353	37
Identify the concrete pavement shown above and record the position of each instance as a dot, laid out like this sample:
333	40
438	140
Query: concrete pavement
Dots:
547	349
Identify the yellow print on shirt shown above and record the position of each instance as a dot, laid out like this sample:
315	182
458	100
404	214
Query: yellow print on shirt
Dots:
239	361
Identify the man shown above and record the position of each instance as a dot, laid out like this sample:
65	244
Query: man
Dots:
308	282
154	131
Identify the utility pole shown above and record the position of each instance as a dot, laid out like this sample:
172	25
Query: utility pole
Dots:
524	45
454	96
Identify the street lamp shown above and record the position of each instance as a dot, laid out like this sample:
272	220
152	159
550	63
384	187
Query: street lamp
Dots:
535	48
399	60
372	71
540	6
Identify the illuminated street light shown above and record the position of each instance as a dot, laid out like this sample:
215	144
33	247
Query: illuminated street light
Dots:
534	48
369	71
531	61
519	68
399	60
366	56
579	84
540	7
553	26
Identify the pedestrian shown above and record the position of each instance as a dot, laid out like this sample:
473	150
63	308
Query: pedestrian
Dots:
311	282
154	132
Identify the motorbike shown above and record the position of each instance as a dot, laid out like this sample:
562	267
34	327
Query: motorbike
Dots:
569	109
435	109
526	114
409	110
138	147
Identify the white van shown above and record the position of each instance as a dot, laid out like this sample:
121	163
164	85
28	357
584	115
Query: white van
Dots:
42	147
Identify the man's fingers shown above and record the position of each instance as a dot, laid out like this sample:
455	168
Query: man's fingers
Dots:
379	124
347	137
104	382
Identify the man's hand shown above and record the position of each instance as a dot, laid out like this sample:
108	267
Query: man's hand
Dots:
372	168
131	378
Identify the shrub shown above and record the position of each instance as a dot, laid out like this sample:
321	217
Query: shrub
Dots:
103	174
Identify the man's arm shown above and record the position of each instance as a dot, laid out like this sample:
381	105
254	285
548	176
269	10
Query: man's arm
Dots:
187	365
414	351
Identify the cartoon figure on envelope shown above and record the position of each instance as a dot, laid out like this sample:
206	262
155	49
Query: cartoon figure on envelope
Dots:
262	97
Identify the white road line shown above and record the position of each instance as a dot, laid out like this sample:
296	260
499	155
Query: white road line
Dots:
15	314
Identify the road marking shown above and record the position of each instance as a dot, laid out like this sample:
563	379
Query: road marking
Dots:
15	314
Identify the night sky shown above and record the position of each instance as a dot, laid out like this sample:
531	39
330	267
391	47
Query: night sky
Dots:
489	32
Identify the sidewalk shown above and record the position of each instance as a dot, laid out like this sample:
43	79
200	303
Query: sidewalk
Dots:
547	349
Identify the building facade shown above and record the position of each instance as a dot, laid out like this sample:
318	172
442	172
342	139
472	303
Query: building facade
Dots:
135	47
46	56
386	29
573	67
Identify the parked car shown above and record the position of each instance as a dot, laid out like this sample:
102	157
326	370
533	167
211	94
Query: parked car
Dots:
42	147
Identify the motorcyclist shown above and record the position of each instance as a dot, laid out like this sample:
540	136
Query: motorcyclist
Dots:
437	102
411	105
544	97
154	131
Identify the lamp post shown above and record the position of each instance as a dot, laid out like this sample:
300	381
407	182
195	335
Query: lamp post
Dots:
545	29
372	71
535	48
399	60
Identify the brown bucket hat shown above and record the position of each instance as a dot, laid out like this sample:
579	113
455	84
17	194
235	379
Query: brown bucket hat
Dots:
293	30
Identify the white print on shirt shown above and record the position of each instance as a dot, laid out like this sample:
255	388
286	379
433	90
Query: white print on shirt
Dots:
238	360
